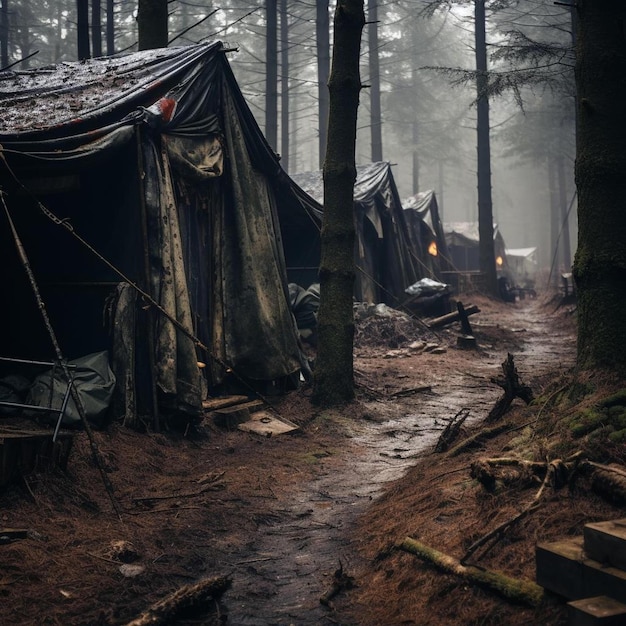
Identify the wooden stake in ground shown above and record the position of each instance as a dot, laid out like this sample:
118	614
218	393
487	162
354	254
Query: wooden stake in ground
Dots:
190	598
524	591
513	388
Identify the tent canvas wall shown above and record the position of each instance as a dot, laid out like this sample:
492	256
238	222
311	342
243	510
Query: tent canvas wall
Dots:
386	262
462	241
523	263
156	161
426	232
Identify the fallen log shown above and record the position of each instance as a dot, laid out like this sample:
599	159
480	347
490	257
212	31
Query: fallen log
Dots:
449	318
607	481
190	598
510	470
516	590
512	387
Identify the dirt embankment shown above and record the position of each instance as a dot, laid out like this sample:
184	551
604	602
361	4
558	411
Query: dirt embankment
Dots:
280	514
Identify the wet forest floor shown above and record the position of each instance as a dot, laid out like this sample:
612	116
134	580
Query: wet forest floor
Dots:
280	515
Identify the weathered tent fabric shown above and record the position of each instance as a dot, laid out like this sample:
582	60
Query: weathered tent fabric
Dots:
425	227
157	160
386	262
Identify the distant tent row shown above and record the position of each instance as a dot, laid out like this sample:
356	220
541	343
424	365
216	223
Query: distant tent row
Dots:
156	161
394	243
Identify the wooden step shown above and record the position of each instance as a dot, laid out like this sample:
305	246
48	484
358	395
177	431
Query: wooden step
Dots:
564	568
212	404
560	567
606	542
232	416
596	611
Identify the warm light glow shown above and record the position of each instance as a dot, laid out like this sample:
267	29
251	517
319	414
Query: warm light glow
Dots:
432	249
499	261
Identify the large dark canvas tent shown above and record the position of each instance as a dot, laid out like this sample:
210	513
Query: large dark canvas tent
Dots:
156	161
386	262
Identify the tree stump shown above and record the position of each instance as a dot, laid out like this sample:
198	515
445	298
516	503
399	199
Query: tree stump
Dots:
513	388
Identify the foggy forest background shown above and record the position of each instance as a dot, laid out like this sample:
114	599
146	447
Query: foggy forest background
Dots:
420	62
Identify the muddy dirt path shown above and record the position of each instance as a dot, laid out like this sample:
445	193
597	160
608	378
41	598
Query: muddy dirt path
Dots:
289	562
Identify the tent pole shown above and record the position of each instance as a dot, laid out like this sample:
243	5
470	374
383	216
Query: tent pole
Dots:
146	267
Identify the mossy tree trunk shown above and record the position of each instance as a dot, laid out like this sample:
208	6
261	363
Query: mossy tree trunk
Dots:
600	263
334	372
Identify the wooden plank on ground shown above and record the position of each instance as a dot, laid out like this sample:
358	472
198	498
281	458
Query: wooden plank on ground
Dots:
264	423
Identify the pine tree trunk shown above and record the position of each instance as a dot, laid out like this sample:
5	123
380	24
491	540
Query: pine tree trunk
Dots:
82	32
110	36
152	24
374	64
334	371
4	34
271	74
322	36
600	264
96	28
486	251
284	85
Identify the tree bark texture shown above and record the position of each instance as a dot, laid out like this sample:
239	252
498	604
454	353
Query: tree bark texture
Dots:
4	34
152	24
600	263
374	65
322	38
271	73
334	369
486	251
82	29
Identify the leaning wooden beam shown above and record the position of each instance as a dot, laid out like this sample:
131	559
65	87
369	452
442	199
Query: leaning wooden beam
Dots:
449	318
194	597
517	590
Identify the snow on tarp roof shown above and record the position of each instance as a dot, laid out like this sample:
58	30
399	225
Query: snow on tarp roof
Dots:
40	100
370	179
466	230
522	253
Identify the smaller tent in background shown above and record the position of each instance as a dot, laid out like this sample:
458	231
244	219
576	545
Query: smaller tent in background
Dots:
426	233
387	262
462	240
523	264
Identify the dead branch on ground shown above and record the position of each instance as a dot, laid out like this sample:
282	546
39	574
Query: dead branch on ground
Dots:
512	387
194	598
498	532
517	590
478	438
451	431
341	581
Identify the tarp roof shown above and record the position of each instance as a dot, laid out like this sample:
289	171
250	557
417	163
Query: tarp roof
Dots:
465	230
523	253
384	274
